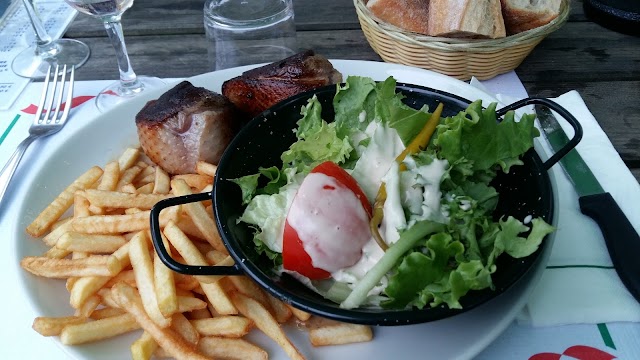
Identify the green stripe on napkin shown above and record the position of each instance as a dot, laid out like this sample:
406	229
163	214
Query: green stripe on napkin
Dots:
606	336
6	132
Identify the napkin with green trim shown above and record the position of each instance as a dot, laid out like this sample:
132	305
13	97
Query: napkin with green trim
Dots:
580	285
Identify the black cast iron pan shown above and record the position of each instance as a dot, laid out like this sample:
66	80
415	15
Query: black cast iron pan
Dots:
526	190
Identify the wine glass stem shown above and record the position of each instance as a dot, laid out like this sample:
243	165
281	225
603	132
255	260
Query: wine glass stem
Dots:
128	79
43	40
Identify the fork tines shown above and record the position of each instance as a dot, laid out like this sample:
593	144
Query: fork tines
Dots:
52	112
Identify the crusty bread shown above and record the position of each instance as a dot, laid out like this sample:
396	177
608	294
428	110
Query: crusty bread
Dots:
523	15
409	15
466	18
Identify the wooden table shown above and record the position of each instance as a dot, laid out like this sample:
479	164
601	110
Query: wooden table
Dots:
165	38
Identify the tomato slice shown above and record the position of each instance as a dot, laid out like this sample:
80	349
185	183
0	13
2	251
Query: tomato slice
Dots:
332	169
294	256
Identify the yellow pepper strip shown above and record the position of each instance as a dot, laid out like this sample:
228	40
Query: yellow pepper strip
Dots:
376	218
419	143
421	140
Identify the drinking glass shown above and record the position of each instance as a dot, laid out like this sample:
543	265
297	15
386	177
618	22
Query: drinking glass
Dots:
34	61
130	85
243	32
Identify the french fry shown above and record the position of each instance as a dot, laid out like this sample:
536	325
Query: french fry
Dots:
148	172
339	333
127	176
80	205
231	349
161	182
127	189
106	312
247	287
181	325
264	321
87	286
145	189
190	303
227	326
195	181
116	224
128	158
62	202
110	176
199	314
143	348
126	276
56	253
98	329
185	223
107	298
143	270
185	282
171	342
89	306
199	215
164	285
281	312
218	258
52	237
205	168
91	243
299	314
214	292
60	222
188	251
52	326
115	199
64	268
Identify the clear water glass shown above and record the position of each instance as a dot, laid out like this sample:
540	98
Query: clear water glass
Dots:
130	85
243	32
35	61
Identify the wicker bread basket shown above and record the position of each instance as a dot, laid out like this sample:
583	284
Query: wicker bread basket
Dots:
459	58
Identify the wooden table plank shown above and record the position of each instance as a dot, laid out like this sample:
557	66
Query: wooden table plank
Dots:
150	17
581	55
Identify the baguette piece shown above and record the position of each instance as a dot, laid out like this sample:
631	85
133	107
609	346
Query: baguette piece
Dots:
523	15
411	15
466	19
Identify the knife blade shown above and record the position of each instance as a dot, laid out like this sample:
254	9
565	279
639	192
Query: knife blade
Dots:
622	240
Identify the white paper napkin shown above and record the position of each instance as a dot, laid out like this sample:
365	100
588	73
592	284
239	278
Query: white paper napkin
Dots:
580	285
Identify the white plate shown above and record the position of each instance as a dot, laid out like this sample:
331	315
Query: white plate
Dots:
97	141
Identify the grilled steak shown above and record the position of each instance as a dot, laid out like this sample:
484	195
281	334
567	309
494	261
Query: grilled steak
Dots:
258	89
187	124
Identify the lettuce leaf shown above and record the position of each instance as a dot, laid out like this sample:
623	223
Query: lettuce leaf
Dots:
318	141
475	135
362	100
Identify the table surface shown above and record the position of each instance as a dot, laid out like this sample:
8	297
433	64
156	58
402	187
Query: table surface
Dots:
166	38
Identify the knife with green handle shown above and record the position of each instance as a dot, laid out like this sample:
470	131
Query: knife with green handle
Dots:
620	236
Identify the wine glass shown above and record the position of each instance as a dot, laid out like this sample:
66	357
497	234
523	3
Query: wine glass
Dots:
130	85
34	61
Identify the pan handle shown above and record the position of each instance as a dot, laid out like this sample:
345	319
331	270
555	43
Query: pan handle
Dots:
577	136
164	255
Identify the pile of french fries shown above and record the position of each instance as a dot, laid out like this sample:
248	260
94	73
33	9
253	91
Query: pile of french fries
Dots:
98	233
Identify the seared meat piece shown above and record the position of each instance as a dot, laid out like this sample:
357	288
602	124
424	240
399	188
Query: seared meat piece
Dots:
258	89
187	124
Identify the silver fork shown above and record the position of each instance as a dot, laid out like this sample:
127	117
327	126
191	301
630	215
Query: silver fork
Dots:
45	123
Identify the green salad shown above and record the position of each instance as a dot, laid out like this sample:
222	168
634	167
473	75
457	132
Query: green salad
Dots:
389	206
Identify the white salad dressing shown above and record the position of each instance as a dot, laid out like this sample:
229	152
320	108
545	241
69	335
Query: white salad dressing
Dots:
377	157
330	222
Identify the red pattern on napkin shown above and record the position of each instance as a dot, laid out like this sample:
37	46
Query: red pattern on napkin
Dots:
580	352
76	101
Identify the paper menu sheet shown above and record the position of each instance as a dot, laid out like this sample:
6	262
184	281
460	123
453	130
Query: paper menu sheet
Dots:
16	34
